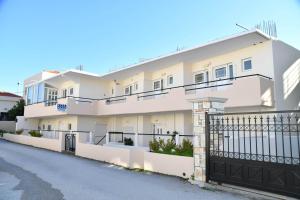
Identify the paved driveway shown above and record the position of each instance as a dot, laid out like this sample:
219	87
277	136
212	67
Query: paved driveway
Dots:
31	173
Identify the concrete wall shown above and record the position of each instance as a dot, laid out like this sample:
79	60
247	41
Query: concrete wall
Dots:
45	143
287	76
9	126
169	164
136	158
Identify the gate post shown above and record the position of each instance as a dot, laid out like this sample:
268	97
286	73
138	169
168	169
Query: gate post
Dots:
202	106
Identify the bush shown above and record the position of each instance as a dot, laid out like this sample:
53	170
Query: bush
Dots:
154	145
128	141
169	147
35	133
19	132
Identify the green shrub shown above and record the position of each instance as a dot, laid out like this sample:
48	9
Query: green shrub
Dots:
128	141
35	133
154	145
169	147
19	132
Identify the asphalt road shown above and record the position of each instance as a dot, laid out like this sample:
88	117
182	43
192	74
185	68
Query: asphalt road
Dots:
33	174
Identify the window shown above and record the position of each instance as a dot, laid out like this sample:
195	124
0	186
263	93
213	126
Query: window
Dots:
247	64
230	68
71	91
127	90
44	127
49	127
64	93
69	126
136	86
170	80
221	72
112	91
156	85
199	78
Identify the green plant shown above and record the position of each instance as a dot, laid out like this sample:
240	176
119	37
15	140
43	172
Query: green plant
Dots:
154	145
169	146
17	110
35	133
19	132
128	141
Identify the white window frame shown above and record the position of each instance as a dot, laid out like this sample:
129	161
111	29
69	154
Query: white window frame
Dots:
168	79
159	81
69	91
198	73
135	86
127	88
64	93
221	67
243	64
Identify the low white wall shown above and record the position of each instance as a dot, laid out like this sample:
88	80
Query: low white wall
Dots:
125	157
9	126
169	164
45	143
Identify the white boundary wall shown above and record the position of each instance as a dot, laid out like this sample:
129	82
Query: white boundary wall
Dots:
137	158
8	126
45	143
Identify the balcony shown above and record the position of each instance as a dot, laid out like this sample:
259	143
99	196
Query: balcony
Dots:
253	90
243	91
63	106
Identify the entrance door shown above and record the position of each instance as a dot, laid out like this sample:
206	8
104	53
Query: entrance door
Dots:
70	143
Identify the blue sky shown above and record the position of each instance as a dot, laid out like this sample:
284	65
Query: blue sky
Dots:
103	34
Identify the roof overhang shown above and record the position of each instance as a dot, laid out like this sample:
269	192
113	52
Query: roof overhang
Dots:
205	51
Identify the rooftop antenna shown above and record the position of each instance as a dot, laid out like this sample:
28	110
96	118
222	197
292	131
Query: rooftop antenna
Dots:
240	26
268	27
80	68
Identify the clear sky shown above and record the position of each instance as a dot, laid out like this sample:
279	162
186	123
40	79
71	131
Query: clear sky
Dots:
105	34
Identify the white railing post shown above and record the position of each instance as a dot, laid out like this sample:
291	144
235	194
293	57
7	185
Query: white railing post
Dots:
54	137
136	139
41	132
177	139
91	137
107	138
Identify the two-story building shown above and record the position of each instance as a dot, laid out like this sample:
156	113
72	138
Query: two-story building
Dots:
252	70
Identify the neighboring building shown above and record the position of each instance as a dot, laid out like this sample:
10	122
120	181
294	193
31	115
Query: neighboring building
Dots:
7	101
252	70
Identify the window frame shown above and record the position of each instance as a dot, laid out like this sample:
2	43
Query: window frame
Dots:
219	68
159	83
69	91
243	64
170	77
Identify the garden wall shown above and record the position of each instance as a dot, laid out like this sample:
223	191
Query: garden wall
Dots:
9	126
122	156
174	165
45	143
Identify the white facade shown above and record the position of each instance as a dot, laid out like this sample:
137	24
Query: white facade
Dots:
251	70
7	102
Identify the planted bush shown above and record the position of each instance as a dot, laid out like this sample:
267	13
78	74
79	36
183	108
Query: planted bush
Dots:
19	132
35	133
128	141
169	147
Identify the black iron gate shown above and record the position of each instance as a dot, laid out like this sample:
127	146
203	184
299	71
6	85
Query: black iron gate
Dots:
258	150
70	142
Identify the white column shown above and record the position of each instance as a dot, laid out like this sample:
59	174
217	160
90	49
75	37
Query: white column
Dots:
91	137
201	106
107	138
136	139
177	139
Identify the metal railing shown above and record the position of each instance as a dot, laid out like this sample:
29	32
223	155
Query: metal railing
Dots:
151	93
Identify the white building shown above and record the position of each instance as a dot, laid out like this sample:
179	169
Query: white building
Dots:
252	70
7	102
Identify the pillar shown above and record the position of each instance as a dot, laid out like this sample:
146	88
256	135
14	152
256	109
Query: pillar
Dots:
201	106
